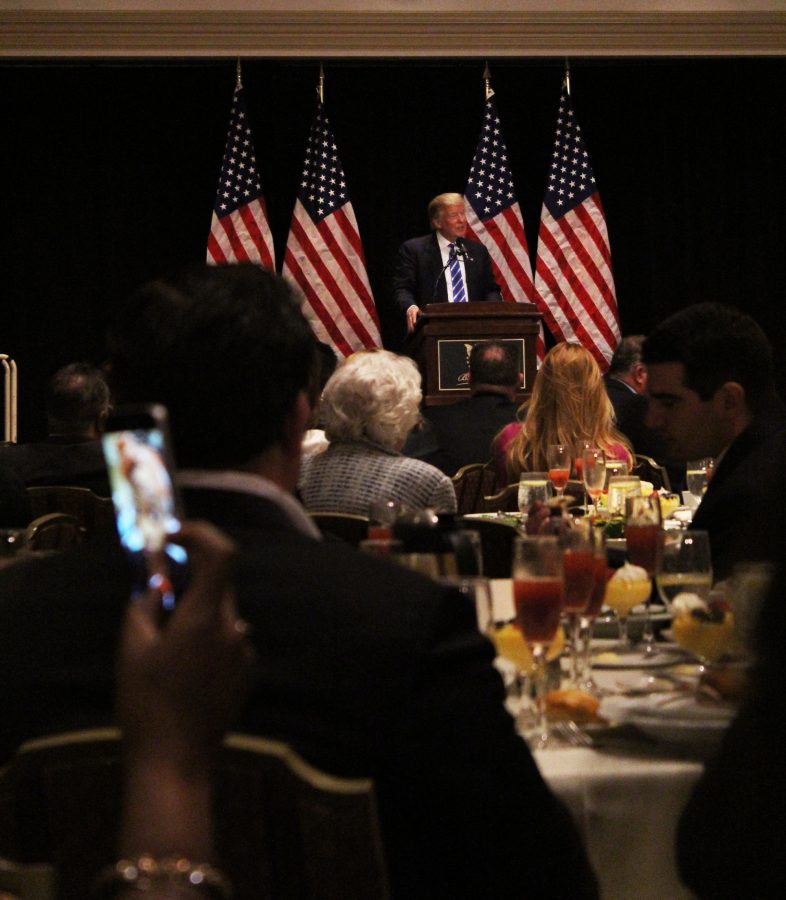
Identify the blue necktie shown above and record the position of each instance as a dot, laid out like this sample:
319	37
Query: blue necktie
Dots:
456	278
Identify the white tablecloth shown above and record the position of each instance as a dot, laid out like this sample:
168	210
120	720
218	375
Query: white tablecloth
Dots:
626	808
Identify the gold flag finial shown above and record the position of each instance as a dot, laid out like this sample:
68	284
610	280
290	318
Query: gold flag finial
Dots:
567	75
321	87
487	79
238	80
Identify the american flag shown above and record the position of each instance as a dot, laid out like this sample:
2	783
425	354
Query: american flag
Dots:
239	230
573	265
324	255
494	216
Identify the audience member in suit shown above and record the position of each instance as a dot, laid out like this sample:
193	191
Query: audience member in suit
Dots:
364	667
421	274
712	393
77	405
626	382
463	431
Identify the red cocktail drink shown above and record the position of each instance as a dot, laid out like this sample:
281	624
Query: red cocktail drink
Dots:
579	567
645	545
539	603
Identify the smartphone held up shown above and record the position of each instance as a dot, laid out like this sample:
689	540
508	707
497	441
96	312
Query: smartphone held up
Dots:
138	455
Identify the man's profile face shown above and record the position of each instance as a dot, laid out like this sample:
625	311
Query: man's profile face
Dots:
451	221
689	426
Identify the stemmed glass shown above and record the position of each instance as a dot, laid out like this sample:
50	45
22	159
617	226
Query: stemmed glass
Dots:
644	539
558	459
578	563
533	486
686	566
538	593
697	475
592	610
593	473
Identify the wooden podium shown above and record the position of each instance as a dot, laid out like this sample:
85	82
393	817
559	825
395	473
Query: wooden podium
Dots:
446	332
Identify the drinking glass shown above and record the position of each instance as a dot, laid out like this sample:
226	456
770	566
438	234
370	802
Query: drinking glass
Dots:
533	486
592	610
538	594
619	488
578	563
698	472
644	539
593	472
558	458
686	566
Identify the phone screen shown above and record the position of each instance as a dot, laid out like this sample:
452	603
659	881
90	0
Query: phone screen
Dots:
145	507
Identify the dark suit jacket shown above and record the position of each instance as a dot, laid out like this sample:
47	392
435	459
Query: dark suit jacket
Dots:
418	279
365	668
55	461
463	431
740	509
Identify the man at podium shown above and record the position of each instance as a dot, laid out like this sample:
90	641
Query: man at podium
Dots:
442	267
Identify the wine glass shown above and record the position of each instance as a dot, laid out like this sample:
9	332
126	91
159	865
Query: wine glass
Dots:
593	473
644	539
533	486
592	610
686	566
578	563
538	594
558	459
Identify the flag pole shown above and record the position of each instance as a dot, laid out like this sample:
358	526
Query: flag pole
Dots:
238	80
487	79
321	87
567	75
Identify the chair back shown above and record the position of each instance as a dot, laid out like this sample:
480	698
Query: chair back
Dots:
95	514
283	829
26	882
507	500
472	483
346	527
647	469
53	531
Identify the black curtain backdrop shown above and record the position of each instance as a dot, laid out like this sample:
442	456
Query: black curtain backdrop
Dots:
111	170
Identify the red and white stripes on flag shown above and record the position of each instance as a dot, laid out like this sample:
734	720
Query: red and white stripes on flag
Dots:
494	216
239	230
324	254
573	274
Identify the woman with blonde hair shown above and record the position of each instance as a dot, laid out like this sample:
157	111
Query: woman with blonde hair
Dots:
569	404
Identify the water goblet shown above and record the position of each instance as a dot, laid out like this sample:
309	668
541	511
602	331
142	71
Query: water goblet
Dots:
686	566
538	594
697	475
558	459
533	486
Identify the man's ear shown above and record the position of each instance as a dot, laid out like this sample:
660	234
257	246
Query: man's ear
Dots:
295	424
731	396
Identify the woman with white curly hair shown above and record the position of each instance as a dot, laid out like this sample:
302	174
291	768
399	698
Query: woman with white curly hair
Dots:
369	406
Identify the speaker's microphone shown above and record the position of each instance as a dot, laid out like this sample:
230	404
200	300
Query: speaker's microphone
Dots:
461	249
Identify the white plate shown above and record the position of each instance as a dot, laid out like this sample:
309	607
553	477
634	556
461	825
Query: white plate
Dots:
637	660
682	731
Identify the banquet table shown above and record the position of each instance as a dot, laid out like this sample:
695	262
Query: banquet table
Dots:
626	792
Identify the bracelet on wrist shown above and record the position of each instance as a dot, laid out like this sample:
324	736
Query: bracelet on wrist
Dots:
147	873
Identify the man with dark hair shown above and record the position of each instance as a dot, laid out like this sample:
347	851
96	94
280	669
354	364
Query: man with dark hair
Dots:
462	433
77	405
712	393
414	703
626	382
